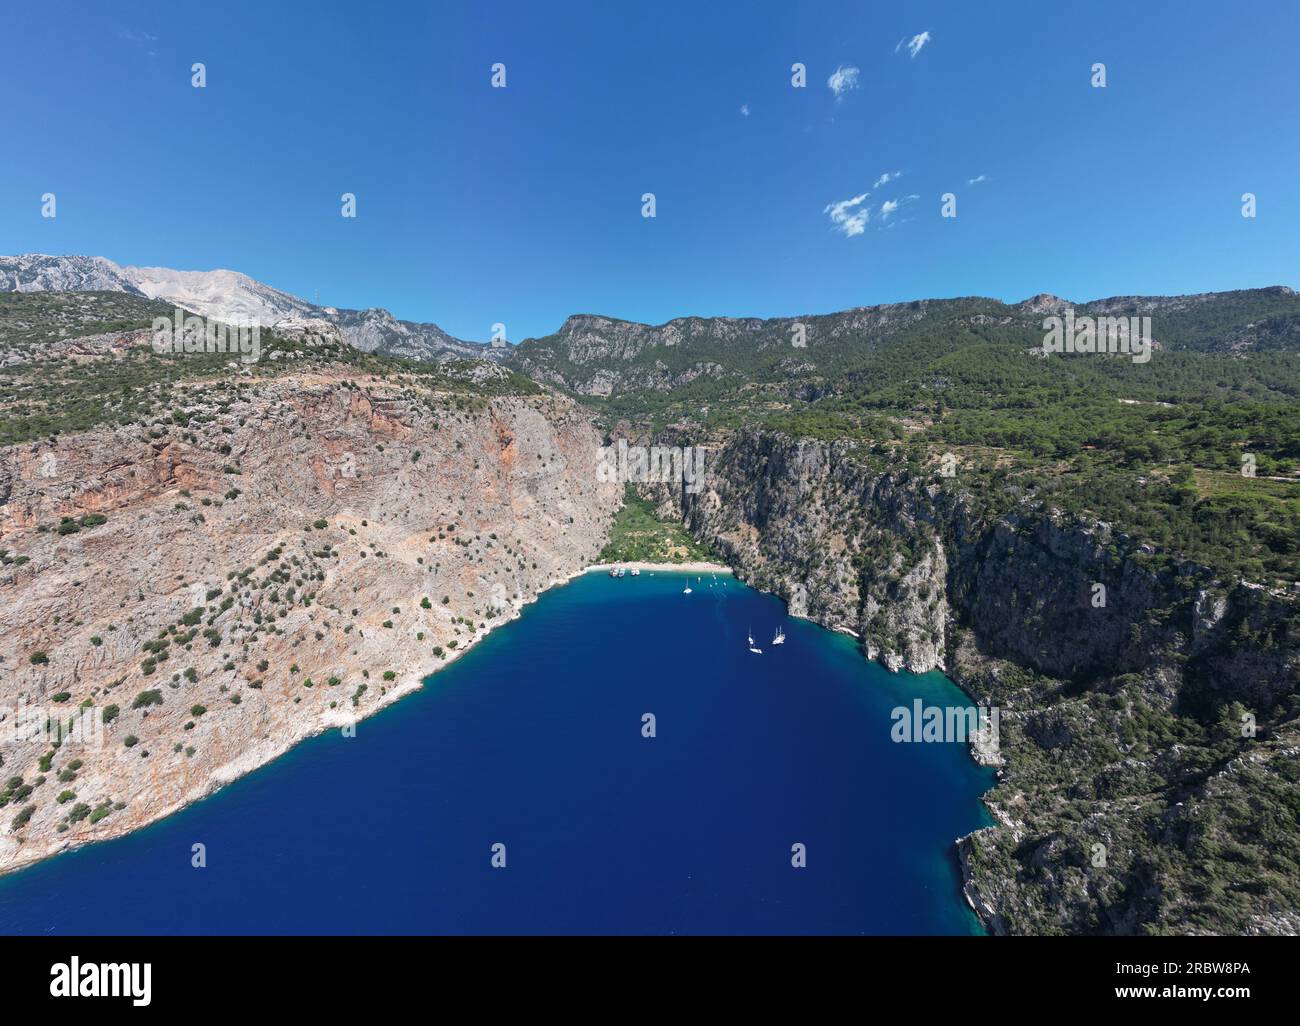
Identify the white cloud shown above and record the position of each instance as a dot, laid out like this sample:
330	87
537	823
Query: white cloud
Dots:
744	110
977	179
143	40
914	44
885	178
890	206
846	218
842	81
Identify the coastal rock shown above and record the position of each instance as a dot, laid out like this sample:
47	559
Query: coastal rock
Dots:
1097	656
281	557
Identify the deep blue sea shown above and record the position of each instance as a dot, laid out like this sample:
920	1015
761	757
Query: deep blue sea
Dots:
533	740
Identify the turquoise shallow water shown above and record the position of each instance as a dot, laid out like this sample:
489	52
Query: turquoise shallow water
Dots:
534	740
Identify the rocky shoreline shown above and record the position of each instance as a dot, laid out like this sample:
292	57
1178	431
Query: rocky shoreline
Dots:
1089	697
365	538
264	754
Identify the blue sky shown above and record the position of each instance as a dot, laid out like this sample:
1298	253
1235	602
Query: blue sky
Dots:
522	205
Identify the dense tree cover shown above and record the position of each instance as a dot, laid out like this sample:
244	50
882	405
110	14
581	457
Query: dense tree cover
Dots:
638	535
1196	452
1198	822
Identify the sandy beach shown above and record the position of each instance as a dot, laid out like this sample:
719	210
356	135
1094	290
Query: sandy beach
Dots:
686	568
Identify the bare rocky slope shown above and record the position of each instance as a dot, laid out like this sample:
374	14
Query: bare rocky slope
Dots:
1132	797
279	557
235	298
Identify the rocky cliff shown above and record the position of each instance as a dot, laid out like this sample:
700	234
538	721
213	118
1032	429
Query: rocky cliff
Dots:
1148	742
275	558
844	545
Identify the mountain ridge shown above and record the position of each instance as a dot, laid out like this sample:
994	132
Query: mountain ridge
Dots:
1030	304
691	365
234	297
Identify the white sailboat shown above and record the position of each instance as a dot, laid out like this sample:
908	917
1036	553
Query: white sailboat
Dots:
779	637
756	651
686	590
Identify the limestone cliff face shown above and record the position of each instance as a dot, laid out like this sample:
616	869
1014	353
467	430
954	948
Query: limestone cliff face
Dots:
900	559
1071	601
845	546
276	559
1109	669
